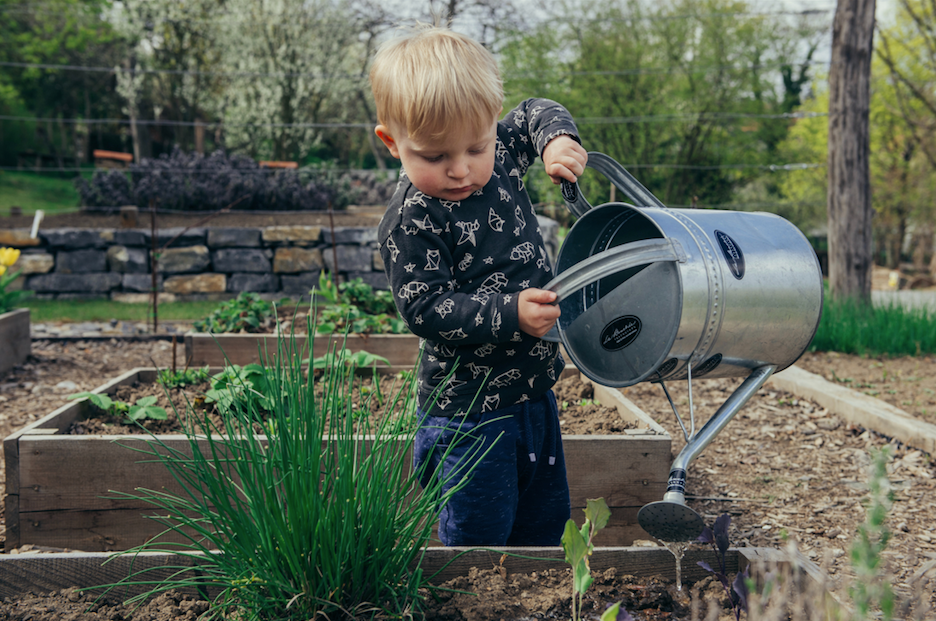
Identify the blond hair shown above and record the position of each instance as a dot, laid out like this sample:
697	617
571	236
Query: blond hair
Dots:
433	80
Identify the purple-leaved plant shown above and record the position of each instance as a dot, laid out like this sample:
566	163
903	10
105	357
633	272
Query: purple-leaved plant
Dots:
736	589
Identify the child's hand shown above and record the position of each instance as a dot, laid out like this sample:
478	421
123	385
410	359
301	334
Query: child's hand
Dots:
536	311
564	158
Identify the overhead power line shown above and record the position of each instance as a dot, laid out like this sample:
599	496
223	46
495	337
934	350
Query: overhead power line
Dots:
768	167
622	120
359	77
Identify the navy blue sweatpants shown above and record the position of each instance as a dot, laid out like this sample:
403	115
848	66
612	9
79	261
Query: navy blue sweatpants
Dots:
518	493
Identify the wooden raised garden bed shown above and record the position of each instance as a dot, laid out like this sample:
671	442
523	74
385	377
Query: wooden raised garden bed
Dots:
15	343
215	350
44	573
59	486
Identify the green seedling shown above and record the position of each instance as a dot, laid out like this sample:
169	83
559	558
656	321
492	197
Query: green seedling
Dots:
144	408
180	379
578	546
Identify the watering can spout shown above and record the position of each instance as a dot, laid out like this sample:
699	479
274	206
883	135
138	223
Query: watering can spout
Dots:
670	519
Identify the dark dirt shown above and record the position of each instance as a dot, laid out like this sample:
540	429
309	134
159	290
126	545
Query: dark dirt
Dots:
788	471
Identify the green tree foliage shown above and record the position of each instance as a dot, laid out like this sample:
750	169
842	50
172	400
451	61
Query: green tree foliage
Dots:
55	32
677	91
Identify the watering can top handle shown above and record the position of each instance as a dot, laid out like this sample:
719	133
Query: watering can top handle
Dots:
617	175
614	260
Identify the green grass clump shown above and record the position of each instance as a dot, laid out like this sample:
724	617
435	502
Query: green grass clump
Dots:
850	327
33	191
321	518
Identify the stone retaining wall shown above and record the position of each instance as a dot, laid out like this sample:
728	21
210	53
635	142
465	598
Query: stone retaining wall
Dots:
201	263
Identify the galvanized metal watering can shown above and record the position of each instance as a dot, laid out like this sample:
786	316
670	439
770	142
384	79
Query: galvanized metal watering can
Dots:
654	294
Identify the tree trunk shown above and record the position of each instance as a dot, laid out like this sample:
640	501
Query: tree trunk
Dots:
849	200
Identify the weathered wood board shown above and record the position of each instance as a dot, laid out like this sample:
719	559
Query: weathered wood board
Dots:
15	342
44	573
61	488
220	349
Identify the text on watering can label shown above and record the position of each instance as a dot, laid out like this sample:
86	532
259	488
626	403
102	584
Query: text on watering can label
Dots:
732	252
620	333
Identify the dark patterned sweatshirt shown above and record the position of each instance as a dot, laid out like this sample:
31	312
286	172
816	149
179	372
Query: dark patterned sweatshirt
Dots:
455	269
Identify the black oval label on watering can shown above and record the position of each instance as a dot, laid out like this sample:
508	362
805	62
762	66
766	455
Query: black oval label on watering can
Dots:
733	254
708	366
620	333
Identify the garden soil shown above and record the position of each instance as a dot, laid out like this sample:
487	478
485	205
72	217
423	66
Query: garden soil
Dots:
785	469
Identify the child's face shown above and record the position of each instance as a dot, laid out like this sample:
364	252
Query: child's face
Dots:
452	168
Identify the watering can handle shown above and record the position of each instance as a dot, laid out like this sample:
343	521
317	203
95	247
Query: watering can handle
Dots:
617	175
614	260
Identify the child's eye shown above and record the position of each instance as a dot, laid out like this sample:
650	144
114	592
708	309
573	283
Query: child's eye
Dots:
433	159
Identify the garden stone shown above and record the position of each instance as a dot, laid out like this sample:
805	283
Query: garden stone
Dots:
233	238
296	235
293	260
101	282
141	283
377	280
131	238
256	283
80	261
241	260
73	239
350	259
353	235
179	236
300	284
17	238
184	260
200	283
127	260
34	263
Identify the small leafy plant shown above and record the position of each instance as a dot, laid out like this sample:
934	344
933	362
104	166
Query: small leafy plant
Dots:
736	589
180	379
578	546
867	550
356	307
144	408
248	312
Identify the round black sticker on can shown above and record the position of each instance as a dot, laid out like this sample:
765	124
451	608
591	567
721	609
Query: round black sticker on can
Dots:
620	333
732	253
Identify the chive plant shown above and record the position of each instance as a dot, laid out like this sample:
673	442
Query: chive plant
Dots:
322	516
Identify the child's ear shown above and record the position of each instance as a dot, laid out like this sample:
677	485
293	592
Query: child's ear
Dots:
383	132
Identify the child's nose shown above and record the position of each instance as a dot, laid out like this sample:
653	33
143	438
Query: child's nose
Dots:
459	168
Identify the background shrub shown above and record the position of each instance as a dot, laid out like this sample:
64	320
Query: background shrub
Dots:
194	182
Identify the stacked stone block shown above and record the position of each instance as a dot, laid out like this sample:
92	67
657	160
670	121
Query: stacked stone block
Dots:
198	263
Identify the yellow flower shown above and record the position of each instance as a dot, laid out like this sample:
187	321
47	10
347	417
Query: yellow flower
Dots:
8	256
3	269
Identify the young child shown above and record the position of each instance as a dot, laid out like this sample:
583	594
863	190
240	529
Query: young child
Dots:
465	259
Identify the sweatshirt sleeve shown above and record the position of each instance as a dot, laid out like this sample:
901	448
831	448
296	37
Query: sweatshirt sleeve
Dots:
530	126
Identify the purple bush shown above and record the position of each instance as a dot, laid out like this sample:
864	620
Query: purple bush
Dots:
193	182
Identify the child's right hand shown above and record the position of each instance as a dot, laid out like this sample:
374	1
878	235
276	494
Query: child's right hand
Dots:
537	311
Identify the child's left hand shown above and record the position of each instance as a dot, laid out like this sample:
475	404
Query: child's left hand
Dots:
564	158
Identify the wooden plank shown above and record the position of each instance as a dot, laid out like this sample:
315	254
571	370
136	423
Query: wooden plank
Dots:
43	573
858	408
66	472
15	341
216	350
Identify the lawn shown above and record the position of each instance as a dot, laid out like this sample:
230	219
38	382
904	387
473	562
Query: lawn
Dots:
32	191
41	311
